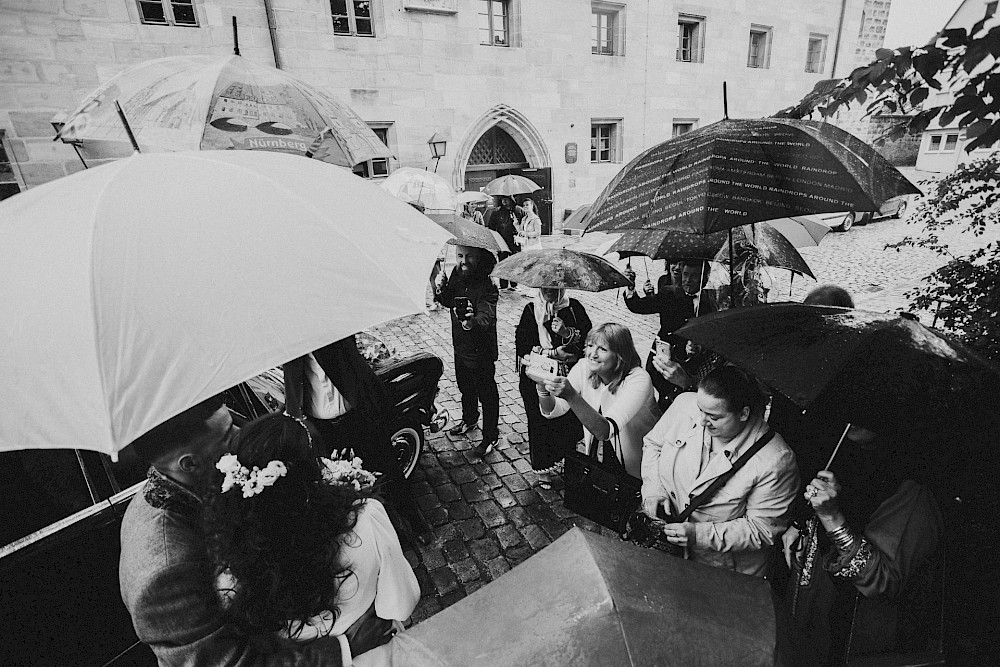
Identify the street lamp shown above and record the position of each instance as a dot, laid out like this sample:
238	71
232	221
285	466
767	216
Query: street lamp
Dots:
438	148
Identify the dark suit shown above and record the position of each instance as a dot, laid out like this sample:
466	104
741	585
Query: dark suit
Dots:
675	308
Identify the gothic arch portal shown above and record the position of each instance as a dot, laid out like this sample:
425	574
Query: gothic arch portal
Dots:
514	123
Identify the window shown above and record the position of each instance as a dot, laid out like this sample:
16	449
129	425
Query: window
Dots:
9	181
816	54
935	143
690	39
950	142
991	9
759	54
494	22
683	126
352	17
168	12
379	166
605	141
607	29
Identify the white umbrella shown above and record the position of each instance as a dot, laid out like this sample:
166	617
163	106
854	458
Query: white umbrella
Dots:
511	185
416	186
134	290
473	197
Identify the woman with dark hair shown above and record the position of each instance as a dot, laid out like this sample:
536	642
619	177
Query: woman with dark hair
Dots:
700	437
555	326
299	546
610	394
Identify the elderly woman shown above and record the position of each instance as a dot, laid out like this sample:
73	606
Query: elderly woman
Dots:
556	326
699	438
609	393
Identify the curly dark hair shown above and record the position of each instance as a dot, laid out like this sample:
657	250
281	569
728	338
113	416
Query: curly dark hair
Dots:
283	545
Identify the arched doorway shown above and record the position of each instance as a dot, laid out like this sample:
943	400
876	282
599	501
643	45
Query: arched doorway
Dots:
503	142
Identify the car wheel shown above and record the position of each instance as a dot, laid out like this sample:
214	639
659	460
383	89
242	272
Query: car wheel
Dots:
900	210
407	443
846	223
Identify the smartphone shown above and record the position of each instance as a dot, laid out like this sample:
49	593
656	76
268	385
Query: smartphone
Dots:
462	305
661	347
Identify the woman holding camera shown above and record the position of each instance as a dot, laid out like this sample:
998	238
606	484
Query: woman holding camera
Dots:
609	393
554	326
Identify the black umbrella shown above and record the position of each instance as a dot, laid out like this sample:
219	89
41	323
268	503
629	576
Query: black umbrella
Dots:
566	269
772	247
587	600
736	172
874	369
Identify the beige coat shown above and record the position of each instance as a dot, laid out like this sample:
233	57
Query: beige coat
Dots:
736	528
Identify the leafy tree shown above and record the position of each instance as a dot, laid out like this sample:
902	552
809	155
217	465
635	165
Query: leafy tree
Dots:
899	81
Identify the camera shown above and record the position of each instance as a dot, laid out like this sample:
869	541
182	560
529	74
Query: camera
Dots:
462	305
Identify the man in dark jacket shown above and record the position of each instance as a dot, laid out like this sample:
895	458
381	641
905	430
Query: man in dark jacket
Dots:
675	305
504	222
472	298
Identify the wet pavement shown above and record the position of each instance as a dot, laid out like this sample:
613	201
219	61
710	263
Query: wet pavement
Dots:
489	515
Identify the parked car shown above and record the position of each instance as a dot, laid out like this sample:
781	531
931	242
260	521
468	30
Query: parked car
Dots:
59	536
841	222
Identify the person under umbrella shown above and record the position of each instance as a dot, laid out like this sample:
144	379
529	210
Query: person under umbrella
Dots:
530	227
679	367
504	222
472	298
556	326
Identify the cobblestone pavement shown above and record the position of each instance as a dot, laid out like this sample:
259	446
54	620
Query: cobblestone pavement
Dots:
489	515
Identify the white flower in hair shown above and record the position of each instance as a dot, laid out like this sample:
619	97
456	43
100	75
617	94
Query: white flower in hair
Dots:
251	481
345	468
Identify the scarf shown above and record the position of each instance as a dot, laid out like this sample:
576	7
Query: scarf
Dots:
544	312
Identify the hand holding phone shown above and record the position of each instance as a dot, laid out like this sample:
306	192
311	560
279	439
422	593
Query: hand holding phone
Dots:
463	307
662	349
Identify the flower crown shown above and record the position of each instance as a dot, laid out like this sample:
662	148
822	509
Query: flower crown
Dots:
251	481
345	468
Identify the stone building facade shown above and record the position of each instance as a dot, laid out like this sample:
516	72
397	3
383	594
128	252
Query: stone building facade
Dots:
565	91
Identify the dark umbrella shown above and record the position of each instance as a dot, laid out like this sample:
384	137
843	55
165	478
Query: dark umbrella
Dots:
575	219
772	246
587	600
567	269
875	369
736	172
470	234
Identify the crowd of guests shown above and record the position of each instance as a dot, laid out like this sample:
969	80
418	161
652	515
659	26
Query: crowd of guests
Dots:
268	546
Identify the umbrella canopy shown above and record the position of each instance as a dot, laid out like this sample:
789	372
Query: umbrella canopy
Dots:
587	600
566	269
417	186
872	368
576	219
473	197
185	103
736	172
138	288
773	248
510	185
801	230
468	233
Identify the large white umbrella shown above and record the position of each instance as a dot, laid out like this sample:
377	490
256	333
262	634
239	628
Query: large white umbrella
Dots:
185	103
134	290
417	186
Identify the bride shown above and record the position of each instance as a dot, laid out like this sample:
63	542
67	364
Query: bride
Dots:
300	547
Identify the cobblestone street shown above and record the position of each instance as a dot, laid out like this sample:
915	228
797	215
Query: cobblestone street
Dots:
489	515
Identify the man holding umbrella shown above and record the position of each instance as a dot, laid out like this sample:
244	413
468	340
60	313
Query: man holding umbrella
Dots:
675	368
472	298
504	222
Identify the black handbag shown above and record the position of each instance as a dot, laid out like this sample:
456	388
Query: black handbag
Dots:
601	491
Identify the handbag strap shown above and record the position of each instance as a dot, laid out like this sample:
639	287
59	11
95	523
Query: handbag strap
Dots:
707	494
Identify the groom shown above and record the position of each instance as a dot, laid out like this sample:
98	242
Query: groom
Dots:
165	575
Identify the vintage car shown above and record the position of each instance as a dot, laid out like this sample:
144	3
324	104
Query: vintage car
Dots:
841	222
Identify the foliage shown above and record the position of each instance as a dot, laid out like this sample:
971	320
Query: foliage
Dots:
965	63
966	289
899	81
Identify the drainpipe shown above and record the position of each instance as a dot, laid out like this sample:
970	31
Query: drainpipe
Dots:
836	44
269	13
